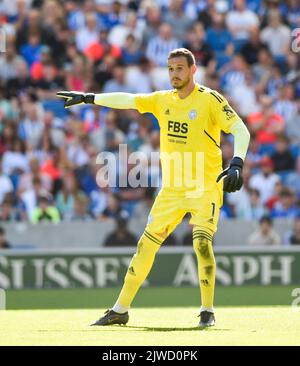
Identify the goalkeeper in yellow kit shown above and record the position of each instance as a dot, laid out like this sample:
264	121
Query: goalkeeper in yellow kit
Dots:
191	118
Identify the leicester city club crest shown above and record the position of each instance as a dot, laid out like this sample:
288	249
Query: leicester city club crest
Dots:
150	219
193	114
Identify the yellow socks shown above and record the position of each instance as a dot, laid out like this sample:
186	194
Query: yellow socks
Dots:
202	243
138	269
143	259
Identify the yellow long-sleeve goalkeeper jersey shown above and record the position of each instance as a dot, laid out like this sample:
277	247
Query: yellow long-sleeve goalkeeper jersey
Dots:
190	130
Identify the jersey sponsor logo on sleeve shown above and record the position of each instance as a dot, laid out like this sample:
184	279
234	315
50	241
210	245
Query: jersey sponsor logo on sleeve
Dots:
229	112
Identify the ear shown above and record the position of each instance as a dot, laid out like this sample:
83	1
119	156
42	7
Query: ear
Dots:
194	69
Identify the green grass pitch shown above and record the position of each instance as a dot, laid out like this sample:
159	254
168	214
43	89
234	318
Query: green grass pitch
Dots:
152	326
160	316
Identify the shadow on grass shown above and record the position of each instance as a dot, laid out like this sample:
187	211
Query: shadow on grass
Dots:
174	329
162	329
113	328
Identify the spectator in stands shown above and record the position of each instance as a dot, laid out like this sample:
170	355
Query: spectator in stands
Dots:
9	62
293	179
20	84
53	129
111	13
197	44
241	21
32	126
49	83
292	127
113	208
52	165
159	47
66	198
118	34
44	211
265	235
8	212
253	209
233	74
292	237
37	68
251	48
253	155
272	201
209	8
286	105
266	125
282	158
15	161
81	208
118	83
176	17
293	13
286	206
140	79
7	138
273	81
277	36
31	50
220	39
262	68
121	237
265	181
153	22
108	138
131	53
77	153
4	244
29	198
89	33
244	96
5	184
7	111
26	179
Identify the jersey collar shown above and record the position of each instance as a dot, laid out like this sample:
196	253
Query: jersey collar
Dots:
176	96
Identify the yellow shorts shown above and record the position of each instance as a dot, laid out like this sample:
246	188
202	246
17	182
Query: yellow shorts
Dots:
169	209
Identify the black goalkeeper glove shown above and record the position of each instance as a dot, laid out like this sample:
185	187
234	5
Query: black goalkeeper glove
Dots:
233	180
75	98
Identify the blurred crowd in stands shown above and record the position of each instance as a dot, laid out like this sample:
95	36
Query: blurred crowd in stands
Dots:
244	49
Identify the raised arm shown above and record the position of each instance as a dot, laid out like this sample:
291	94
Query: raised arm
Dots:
111	100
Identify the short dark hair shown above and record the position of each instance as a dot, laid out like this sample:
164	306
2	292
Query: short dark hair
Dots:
267	219
185	53
286	192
